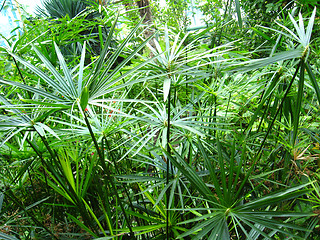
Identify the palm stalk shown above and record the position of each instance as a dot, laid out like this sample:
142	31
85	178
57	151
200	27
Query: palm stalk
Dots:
298	103
108	174
168	176
104	142
257	154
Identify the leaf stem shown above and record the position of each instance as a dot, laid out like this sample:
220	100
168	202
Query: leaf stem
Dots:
109	179
256	157
168	168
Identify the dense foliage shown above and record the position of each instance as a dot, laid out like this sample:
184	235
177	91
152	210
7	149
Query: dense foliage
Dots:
119	122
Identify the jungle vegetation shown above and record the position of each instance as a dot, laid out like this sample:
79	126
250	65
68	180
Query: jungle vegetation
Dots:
121	120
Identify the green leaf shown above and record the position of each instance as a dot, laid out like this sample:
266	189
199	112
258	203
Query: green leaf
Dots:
166	88
258	63
84	98
310	25
67	74
296	116
32	89
4	236
313	81
191	175
238	9
80	224
80	77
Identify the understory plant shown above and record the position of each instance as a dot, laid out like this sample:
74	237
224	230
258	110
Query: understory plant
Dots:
176	140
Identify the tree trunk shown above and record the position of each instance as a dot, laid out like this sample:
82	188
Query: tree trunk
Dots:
145	11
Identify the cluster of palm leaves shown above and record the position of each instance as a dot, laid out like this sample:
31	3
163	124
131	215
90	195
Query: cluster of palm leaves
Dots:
176	141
